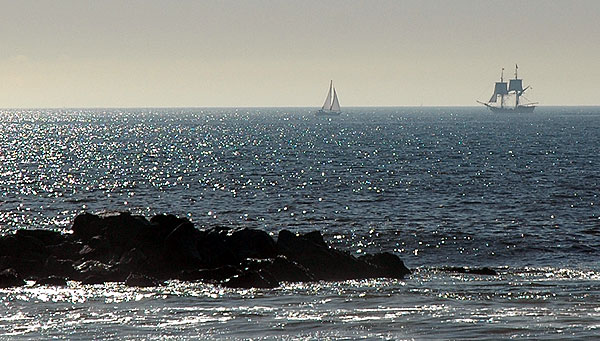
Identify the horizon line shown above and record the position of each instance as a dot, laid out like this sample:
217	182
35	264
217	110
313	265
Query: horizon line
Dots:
285	107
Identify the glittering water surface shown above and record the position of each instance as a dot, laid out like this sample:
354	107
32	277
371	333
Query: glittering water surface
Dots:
439	187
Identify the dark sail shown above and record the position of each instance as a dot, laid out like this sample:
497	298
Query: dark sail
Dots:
500	89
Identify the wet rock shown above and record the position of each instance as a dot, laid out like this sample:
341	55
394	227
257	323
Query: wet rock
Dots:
86	225
93	266
139	280
109	247
122	231
100	278
10	278
214	250
386	265
150	254
215	275
45	237
474	271
134	261
94	279
59	267
181	249
223	246
166	223
252	279
322	261
281	269
315	237
99	243
119	230
52	280
97	247
24	266
22	245
87	252
68	249
95	272
251	243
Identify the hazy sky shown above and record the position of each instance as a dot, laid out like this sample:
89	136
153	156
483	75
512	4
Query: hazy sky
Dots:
148	53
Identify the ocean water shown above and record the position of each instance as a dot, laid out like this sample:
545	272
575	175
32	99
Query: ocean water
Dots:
437	186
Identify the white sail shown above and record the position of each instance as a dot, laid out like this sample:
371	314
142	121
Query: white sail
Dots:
331	107
335	106
327	104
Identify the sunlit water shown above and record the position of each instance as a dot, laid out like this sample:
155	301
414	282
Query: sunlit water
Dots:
439	187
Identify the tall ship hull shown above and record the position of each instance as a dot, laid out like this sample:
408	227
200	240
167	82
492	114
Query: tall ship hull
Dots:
508	97
522	109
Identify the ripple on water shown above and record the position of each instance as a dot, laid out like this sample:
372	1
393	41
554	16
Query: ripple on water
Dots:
442	186
429	304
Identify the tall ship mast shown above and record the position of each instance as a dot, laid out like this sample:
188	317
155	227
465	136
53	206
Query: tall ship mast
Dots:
507	97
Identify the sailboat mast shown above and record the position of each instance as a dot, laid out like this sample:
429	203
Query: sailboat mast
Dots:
502	95
329	96
516	91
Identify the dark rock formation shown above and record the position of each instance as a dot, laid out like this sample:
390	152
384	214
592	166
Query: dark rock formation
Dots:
10	278
45	237
387	265
138	280
281	269
181	246
248	243
52	280
126	248
95	272
252	279
215	275
325	263
473	271
59	267
86	226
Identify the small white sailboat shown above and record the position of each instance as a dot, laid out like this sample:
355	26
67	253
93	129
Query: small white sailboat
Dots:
330	107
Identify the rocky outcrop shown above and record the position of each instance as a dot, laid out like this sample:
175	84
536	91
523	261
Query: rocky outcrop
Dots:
139	252
10	278
325	263
138	280
52	280
386	265
486	271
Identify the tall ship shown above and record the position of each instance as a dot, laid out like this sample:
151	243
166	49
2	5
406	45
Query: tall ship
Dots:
507	97
331	107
